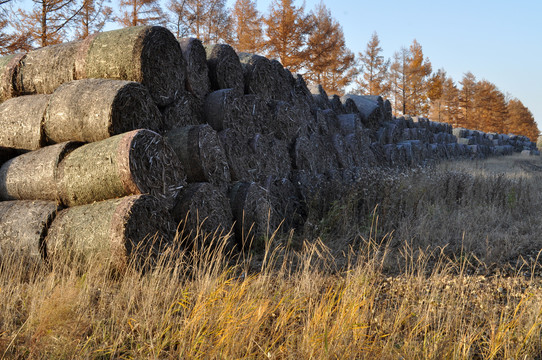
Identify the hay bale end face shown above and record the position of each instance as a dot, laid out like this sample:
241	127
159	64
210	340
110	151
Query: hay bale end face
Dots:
43	70
203	211
23	226
252	213
27	134
225	70
259	75
33	176
147	54
197	80
9	67
94	109
186	110
113	231
137	162
201	153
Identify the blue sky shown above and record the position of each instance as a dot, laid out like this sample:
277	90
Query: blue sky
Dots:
496	40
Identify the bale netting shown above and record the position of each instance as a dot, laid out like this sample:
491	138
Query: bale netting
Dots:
43	70
113	232
201	153
197	79
9	66
150	55
186	110
23	227
252	213
225	109
259	75
225	70
21	122
33	176
137	162
203	211
95	109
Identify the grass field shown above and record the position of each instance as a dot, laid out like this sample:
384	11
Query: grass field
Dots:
432	263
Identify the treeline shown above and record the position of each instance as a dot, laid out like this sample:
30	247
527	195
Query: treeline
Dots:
311	43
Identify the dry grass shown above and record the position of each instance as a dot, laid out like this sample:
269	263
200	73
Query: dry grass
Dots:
301	302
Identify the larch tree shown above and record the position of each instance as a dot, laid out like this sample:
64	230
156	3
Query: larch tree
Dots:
247	27
47	22
435	93
330	63
466	100
11	42
521	120
92	18
450	102
140	12
490	112
374	79
419	71
287	29
398	79
207	20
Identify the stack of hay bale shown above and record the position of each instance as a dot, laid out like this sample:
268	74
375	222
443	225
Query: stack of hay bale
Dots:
131	134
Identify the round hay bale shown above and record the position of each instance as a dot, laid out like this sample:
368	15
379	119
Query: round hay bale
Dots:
23	227
43	70
113	231
272	155
201	153
9	67
320	96
150	55
33	176
242	158
186	110
252	213
137	162
225	109
288	121
349	106
358	145
259	75
21	122
337	105
304	156
255	109
197	79
203	211
284	82
285	202
95	109
225	70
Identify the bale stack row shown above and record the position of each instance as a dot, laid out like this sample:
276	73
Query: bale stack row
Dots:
132	133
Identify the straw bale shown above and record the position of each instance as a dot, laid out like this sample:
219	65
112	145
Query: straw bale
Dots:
225	70
273	156
368	107
302	93
186	110
113	231
225	109
43	70
258	74
284	82
349	106
285	202
359	145
22	134
201	153
137	162
9	67
150	55
203	210
256	110
288	121
320	96
23	226
197	77
94	109
312	153
252	213
242	158
33	176
337	105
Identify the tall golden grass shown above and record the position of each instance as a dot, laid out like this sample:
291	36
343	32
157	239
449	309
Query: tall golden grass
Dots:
367	293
